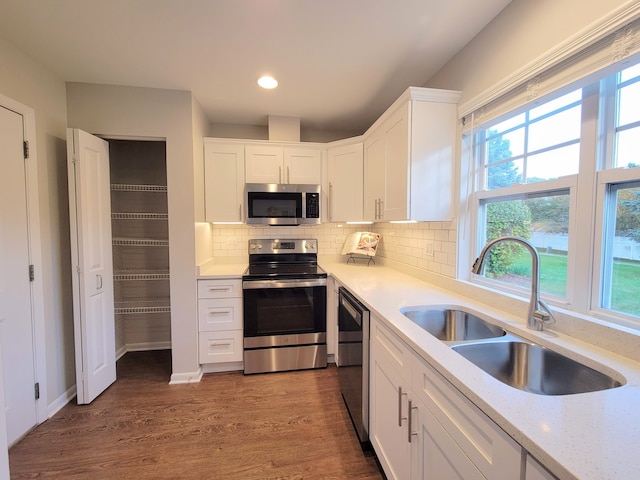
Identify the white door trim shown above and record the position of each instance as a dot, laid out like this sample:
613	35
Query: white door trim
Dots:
35	253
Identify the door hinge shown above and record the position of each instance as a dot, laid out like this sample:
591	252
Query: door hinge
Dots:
32	273
37	391
25	148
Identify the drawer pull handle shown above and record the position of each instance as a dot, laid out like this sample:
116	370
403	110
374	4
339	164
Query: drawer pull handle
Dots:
219	289
219	312
409	422
400	417
228	344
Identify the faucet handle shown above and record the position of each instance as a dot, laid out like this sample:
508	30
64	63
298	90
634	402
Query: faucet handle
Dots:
546	316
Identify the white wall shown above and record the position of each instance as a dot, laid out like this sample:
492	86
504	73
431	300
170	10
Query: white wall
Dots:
29	83
156	113
522	32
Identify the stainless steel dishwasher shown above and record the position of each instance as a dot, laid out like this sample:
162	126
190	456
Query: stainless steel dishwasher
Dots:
353	360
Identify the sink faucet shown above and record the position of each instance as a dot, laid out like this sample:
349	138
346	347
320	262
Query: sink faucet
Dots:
539	313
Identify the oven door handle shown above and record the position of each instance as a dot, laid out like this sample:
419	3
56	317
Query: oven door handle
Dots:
292	283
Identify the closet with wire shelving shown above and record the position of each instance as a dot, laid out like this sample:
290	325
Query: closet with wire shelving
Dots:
139	222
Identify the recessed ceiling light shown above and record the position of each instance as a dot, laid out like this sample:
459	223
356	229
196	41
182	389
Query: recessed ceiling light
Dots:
267	82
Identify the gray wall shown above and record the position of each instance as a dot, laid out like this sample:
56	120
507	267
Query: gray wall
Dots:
27	82
156	113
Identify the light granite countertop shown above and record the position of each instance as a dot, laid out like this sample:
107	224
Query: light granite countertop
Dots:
586	436
230	270
592	435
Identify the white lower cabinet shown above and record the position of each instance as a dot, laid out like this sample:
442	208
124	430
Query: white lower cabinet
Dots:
468	442
220	338
535	471
435	455
423	428
390	377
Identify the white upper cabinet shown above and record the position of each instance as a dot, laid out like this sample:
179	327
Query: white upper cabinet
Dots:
224	181
302	165
278	164
408	158
345	166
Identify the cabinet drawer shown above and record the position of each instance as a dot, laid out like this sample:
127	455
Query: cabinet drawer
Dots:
215	314
226	288
491	450
219	347
386	342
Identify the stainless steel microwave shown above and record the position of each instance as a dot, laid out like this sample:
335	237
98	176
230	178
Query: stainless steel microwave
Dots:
282	204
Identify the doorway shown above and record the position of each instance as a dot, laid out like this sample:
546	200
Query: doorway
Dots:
140	229
21	285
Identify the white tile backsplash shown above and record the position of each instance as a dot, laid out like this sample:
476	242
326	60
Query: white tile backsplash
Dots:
430	246
232	240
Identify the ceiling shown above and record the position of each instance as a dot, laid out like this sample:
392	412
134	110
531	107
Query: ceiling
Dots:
340	63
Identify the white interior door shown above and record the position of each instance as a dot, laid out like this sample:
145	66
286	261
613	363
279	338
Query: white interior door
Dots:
16	321
90	219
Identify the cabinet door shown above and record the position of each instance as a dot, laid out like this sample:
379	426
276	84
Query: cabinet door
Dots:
389	390
263	164
535	471
494	453
433	138
395	204
434	454
302	165
374	160
346	183
224	182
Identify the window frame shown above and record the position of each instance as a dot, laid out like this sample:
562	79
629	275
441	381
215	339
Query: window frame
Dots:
588	188
621	176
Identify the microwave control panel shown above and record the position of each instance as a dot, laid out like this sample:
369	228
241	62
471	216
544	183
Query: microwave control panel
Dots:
313	205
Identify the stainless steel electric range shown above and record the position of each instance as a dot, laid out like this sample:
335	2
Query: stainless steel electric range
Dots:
285	306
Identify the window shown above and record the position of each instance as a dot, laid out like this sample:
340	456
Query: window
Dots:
621	266
627	122
543	219
540	144
529	164
528	167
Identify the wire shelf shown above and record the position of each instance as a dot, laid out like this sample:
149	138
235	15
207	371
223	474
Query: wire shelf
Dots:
124	275
139	310
140	242
122	187
142	305
139	216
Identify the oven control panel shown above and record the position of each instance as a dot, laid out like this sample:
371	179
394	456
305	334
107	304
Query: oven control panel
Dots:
298	245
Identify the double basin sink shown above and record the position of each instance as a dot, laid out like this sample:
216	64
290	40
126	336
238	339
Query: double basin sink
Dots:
510	359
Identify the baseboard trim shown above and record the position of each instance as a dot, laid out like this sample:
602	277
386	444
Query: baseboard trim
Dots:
188	377
143	347
222	367
61	401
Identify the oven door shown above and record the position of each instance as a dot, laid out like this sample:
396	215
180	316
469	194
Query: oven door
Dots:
284	312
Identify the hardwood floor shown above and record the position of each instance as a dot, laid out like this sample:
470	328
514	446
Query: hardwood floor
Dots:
229	426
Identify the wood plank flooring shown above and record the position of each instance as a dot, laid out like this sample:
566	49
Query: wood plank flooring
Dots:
288	426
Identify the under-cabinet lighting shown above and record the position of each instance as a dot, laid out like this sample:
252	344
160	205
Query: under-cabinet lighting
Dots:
403	221
359	223
226	223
